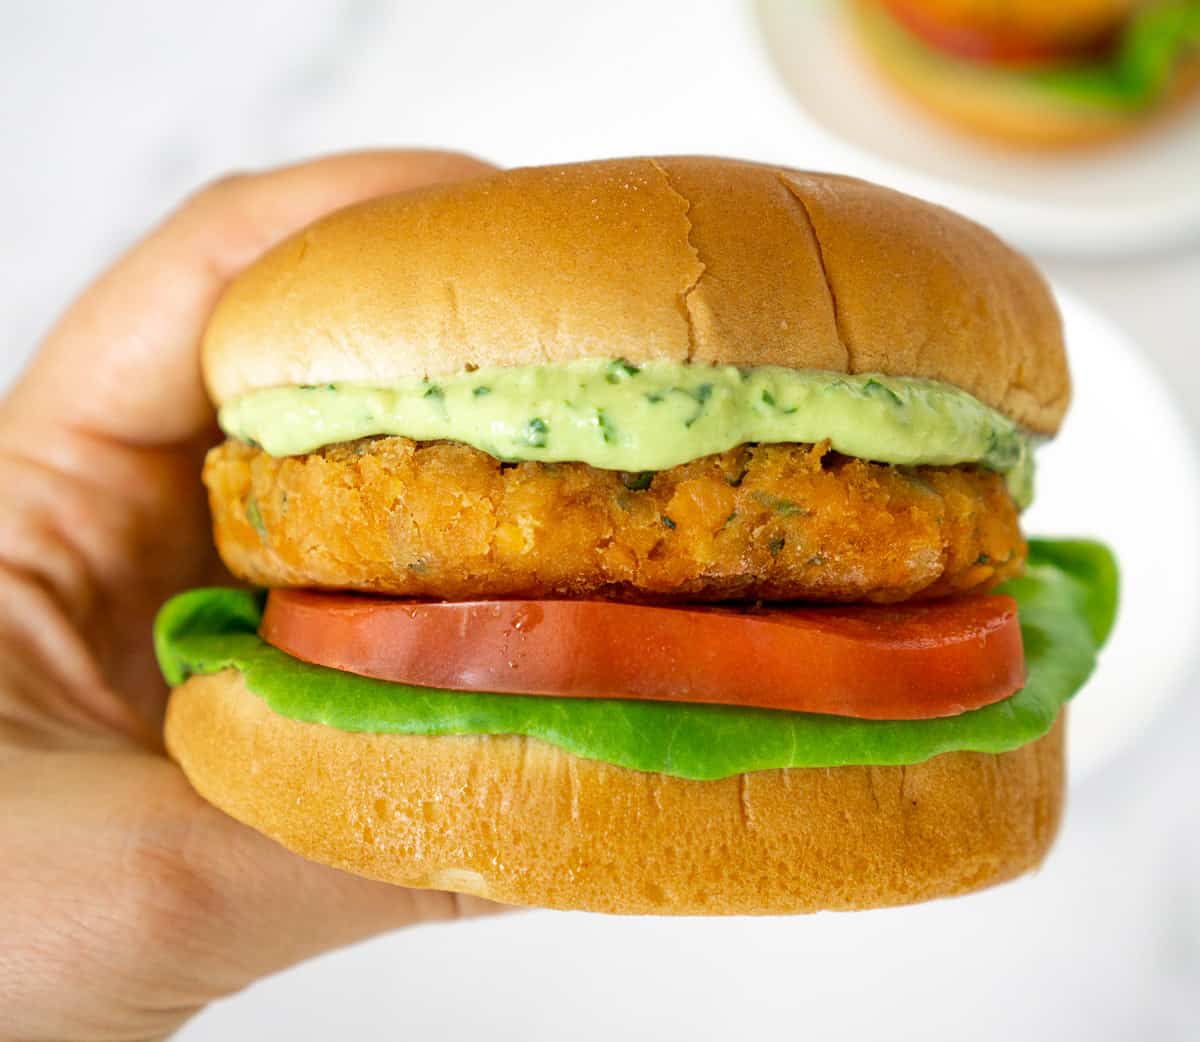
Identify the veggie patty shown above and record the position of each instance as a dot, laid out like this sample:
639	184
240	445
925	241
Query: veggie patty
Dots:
760	522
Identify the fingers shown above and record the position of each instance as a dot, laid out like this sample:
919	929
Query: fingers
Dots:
123	361
278	909
121	881
101	442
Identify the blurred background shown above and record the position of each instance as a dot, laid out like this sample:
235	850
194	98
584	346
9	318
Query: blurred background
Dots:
110	113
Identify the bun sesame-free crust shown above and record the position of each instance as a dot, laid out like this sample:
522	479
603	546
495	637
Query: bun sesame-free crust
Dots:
691	259
523	822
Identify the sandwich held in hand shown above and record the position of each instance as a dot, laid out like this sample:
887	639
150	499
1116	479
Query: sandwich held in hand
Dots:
639	536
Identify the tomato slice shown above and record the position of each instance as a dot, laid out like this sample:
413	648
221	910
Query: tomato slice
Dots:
897	662
991	45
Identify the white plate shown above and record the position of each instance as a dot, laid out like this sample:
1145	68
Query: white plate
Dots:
1135	194
1125	470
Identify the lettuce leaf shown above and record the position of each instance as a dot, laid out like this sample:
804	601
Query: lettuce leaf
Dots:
1152	44
1067	599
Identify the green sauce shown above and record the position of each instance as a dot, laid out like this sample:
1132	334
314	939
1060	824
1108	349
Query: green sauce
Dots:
617	416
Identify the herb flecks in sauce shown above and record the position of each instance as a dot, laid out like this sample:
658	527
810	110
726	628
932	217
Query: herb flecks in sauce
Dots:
537	431
618	416
608	430
620	370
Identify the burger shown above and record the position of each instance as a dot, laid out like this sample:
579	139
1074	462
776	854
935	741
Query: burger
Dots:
1037	73
638	536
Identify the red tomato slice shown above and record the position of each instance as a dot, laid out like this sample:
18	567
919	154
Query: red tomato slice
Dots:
899	662
993	46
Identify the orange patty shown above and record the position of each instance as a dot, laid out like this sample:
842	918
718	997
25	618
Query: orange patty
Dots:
767	522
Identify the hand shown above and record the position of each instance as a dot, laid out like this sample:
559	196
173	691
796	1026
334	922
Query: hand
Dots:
127	902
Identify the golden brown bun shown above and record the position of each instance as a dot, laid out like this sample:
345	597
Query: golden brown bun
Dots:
707	260
990	106
522	822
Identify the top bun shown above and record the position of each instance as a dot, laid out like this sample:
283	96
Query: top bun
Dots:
692	259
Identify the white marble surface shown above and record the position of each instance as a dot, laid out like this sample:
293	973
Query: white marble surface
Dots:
111	111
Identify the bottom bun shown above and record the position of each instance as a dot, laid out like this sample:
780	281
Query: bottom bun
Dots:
519	821
987	103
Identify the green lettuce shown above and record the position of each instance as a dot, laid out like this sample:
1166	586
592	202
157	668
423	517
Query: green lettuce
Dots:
1143	65
1067	599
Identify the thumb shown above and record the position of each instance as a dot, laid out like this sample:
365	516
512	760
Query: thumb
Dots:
124	363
